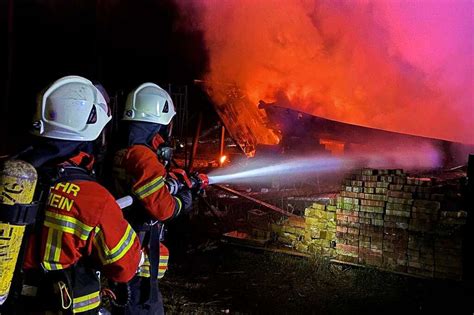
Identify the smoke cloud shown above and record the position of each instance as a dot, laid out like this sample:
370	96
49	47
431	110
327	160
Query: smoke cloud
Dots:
404	66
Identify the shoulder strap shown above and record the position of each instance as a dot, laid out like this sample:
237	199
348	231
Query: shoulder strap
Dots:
26	214
54	175
49	177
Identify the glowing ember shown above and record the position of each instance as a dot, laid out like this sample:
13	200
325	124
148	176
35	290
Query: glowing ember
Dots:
400	66
222	159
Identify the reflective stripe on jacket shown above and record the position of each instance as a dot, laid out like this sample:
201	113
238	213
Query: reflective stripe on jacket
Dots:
86	303
82	219
138	171
144	270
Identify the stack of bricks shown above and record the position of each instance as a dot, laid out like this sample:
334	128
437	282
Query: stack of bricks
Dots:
320	228
386	219
448	244
360	221
390	220
315	233
426	207
347	221
290	232
436	225
372	206
421	254
422	223
396	221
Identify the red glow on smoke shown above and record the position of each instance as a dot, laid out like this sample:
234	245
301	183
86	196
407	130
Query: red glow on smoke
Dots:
404	66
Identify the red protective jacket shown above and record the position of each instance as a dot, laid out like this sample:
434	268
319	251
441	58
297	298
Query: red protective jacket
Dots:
82	219
138	171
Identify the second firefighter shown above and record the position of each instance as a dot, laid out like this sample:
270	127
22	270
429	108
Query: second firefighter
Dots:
139	170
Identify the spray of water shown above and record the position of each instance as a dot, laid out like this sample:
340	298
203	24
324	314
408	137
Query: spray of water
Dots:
257	170
273	168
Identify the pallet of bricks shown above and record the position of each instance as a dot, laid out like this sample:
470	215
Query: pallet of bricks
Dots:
449	228
315	233
320	228
389	220
425	216
359	219
290	232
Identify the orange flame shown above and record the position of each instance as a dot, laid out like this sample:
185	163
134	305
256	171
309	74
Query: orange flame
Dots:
338	60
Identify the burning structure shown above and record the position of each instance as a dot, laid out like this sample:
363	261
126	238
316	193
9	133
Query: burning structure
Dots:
366	63
294	133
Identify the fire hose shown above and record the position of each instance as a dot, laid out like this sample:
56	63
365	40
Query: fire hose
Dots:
177	180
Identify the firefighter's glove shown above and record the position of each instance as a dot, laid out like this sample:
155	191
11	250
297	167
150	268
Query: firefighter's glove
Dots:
186	198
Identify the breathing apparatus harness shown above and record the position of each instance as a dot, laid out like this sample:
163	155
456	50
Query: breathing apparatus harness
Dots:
29	284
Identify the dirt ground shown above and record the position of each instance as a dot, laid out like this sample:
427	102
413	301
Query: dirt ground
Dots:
207	276
239	281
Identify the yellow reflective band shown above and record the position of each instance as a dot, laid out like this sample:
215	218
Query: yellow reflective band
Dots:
147	261
109	256
148	189
161	271
179	204
144	271
86	302
52	251
151	191
146	186
67	224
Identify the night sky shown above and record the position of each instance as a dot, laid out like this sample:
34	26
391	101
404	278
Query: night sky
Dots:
119	43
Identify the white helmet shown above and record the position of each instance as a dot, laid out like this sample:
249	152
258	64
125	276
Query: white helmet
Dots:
71	108
149	103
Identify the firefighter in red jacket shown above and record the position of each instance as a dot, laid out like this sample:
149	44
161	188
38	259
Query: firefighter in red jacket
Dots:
139	170
83	230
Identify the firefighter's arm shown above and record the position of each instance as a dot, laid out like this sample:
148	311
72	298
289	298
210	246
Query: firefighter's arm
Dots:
116	244
149	184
